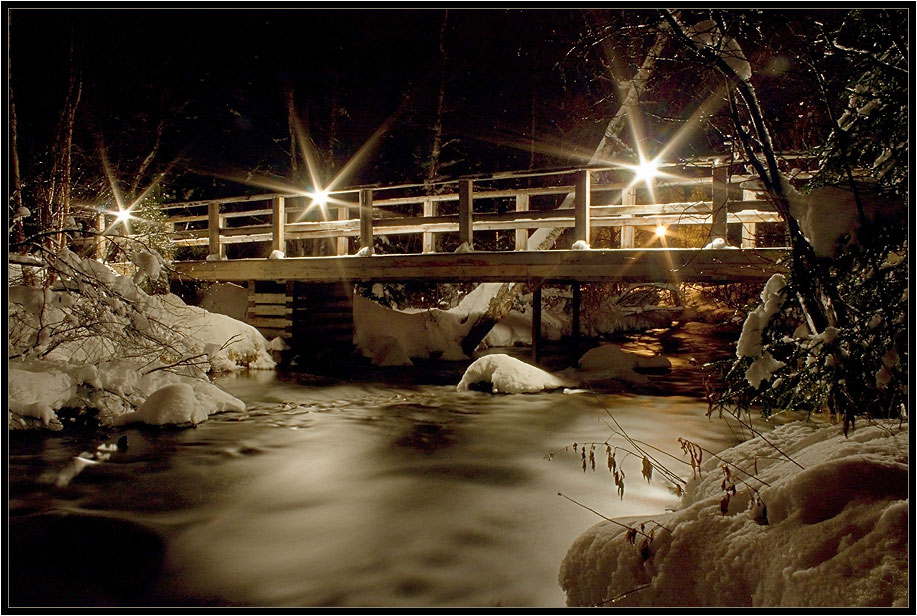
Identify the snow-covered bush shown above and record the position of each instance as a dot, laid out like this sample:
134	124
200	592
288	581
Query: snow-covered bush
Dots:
88	343
856	366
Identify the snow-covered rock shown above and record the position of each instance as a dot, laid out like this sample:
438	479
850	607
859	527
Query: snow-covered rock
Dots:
181	403
508	375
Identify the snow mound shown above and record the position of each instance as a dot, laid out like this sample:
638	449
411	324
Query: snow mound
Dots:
229	344
181	404
827	527
508	375
420	334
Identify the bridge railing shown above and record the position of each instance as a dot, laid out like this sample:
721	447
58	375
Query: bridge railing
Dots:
590	198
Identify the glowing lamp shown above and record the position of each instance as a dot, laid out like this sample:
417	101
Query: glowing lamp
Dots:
646	170
122	216
320	197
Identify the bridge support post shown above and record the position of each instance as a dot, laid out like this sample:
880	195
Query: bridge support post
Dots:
522	235
366	219
278	225
629	197
581	206
429	238
536	324
466	202
720	196
214	226
577	302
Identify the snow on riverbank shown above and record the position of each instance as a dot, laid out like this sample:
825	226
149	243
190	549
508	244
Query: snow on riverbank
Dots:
96	344
829	528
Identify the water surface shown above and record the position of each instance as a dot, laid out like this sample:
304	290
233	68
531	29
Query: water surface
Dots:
333	493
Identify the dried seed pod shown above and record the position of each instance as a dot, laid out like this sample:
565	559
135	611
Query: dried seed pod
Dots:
647	469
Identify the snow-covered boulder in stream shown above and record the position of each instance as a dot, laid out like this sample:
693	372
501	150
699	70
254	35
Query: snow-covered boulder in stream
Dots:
508	375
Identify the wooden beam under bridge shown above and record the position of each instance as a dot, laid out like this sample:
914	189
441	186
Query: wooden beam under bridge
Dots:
671	265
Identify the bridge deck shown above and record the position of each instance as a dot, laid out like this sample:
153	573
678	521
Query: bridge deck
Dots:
638	265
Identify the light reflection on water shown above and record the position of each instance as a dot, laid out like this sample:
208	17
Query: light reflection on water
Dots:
325	493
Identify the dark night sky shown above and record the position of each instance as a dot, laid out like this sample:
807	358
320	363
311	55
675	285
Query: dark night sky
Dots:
219	77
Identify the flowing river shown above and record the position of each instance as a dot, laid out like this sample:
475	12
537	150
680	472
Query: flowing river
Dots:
339	493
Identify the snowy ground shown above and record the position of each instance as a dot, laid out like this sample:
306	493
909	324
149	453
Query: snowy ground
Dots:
826	524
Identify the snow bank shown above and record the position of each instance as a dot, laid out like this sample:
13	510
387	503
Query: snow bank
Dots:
508	375
95	343
229	344
832	533
392	337
38	390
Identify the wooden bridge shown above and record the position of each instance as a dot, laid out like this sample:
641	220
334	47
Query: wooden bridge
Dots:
348	231
352	222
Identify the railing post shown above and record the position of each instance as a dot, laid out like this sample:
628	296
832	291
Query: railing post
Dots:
98	250
278	225
429	238
749	229
466	202
629	197
720	197
366	219
522	235
581	201
214	225
343	242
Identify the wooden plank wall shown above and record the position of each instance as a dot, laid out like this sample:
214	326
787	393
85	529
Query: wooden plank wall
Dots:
267	308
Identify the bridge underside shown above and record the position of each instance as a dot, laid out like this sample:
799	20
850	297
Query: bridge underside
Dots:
640	265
